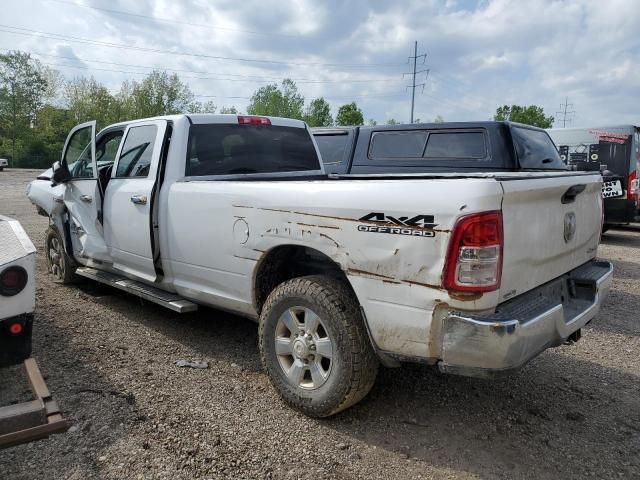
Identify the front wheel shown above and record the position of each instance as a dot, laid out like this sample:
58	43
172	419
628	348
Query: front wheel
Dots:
314	345
58	262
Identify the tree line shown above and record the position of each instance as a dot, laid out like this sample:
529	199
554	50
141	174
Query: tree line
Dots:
38	107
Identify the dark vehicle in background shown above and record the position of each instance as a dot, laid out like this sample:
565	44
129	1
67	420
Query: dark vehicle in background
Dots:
437	147
614	151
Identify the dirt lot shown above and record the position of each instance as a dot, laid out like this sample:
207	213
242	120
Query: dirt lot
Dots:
574	412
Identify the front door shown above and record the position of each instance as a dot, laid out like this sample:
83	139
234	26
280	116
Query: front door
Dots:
128	212
81	194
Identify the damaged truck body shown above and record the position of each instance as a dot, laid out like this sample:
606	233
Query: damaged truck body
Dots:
474	271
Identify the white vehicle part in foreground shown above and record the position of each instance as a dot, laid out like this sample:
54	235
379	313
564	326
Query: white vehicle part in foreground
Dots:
16	249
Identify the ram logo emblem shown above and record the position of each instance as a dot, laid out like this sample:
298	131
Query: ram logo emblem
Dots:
569	226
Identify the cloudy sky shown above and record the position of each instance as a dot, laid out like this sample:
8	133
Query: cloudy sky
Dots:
480	53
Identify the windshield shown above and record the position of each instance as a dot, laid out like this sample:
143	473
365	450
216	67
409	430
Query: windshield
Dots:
535	149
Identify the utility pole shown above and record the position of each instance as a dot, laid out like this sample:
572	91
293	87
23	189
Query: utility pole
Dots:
563	111
413	85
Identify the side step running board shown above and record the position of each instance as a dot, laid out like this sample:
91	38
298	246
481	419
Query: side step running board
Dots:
169	300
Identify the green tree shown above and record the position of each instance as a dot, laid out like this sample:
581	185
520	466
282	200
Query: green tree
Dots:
393	121
530	115
372	122
86	99
207	107
438	119
231	109
349	114
23	88
283	101
318	113
159	93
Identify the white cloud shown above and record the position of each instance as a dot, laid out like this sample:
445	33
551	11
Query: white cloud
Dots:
481	53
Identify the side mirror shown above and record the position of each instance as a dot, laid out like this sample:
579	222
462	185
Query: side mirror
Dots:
61	173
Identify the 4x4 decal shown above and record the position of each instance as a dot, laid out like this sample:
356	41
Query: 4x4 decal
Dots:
418	225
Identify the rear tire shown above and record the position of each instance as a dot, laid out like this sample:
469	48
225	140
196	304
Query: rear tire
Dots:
314	345
59	264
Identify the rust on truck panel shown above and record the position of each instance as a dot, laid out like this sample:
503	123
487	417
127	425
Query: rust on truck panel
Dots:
420	284
275	210
356	271
329	238
246	258
318	226
466	297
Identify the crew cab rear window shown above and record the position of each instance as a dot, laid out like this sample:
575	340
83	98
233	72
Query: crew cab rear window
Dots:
216	149
137	152
535	149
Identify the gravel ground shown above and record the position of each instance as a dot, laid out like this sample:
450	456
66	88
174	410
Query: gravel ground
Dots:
574	412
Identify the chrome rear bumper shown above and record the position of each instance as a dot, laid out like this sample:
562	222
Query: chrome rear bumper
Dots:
520	329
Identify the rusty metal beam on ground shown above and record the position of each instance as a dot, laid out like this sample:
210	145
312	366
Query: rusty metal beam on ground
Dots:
33	420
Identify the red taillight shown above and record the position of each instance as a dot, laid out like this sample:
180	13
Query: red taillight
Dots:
632	187
12	281
253	120
15	328
474	258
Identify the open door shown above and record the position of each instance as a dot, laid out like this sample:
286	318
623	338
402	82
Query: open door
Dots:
82	195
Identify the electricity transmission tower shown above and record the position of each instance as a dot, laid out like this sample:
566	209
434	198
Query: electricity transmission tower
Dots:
415	72
563	111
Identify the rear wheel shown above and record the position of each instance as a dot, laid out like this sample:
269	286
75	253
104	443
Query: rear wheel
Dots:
59	265
314	345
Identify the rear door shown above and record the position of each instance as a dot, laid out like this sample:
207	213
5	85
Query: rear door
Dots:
81	194
128	225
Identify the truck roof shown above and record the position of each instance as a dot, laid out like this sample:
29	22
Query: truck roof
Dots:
611	128
201	118
337	130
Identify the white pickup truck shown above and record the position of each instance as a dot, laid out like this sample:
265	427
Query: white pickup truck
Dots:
477	272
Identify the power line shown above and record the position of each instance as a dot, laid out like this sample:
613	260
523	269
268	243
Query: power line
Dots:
177	22
211	27
69	38
564	112
249	78
395	95
413	83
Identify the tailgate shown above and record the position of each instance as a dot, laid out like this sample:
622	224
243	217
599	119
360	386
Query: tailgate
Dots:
551	225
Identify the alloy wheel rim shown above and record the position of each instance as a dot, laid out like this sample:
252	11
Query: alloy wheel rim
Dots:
303	348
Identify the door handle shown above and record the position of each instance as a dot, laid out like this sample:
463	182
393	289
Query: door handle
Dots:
139	199
86	198
571	194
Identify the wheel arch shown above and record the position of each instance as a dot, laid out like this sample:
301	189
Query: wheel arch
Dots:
288	261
